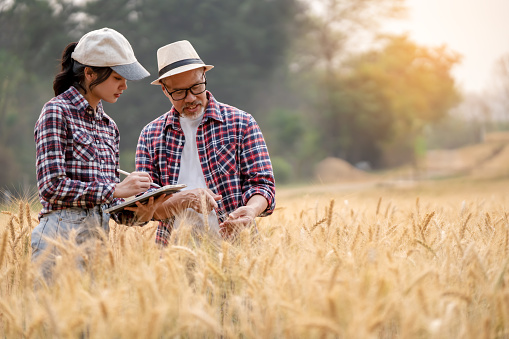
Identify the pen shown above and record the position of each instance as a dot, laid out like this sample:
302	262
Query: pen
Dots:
127	173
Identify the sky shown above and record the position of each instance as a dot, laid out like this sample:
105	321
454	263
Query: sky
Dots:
477	29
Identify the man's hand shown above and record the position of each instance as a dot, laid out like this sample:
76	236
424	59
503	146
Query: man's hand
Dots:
243	216
134	183
239	219
146	212
202	200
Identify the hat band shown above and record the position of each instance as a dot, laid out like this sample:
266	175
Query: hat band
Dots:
179	63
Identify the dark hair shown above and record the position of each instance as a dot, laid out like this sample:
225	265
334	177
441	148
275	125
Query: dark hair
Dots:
70	75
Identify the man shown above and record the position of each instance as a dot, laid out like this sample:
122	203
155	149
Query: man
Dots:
217	150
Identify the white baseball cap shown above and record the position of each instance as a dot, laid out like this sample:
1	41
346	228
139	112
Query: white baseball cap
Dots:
106	47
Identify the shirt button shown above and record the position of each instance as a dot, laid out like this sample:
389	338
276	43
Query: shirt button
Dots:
102	161
97	141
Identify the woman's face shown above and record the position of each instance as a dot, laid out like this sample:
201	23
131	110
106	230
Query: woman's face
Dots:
108	90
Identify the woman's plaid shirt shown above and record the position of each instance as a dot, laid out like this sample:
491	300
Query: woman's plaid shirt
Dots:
233	154
76	155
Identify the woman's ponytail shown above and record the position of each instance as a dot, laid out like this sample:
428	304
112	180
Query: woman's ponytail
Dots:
66	77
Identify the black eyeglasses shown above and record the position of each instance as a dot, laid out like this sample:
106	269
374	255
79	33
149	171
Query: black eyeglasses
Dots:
181	94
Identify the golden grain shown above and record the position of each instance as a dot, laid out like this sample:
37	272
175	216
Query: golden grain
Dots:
412	267
464	227
3	247
425	224
378	205
21	214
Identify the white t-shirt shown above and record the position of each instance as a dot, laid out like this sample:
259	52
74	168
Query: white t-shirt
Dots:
191	174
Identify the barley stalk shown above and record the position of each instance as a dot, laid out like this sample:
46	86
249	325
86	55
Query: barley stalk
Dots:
378	205
333	277
425	224
464	227
12	231
251	266
3	247
330	213
28	217
224	263
387	210
205	281
488	222
21	213
356	237
426	247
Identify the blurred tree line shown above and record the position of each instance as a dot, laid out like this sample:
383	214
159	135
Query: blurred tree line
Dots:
314	74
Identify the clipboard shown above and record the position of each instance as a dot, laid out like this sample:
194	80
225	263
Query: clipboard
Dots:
168	189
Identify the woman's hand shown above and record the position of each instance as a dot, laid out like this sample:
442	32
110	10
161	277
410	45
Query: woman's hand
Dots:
134	183
146	212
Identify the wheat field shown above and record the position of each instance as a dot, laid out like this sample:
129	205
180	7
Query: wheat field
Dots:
365	261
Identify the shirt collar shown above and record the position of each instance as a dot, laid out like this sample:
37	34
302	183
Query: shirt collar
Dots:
212	111
82	105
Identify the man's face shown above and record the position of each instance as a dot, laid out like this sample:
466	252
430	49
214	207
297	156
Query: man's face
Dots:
192	105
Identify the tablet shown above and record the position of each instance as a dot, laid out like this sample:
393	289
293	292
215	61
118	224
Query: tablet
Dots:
168	189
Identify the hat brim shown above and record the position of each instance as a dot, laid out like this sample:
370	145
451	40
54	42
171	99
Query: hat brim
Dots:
134	71
181	69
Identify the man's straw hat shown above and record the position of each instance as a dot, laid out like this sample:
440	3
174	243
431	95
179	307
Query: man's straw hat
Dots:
106	47
176	58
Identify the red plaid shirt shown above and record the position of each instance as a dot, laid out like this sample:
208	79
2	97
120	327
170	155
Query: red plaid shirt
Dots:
233	155
76	155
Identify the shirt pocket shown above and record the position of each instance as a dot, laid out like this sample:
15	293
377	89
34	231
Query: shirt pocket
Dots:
83	146
226	159
110	150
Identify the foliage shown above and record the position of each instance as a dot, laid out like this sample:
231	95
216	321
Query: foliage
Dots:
294	142
453	132
245	41
293	64
32	36
282	169
499	93
385	97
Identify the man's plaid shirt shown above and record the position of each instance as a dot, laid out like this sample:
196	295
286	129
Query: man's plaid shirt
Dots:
76	155
233	155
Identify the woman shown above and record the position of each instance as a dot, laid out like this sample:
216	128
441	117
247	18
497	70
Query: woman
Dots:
77	144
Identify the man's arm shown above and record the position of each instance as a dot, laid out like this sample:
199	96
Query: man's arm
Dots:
256	168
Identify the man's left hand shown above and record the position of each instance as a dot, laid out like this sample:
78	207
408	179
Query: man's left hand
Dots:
239	219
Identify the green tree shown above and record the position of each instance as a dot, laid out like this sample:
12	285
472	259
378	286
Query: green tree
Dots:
36	32
246	41
333	29
32	36
293	146
387	97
